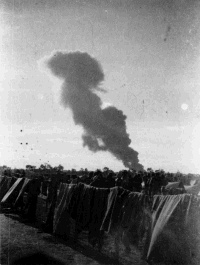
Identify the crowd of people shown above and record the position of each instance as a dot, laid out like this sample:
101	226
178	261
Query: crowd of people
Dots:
148	182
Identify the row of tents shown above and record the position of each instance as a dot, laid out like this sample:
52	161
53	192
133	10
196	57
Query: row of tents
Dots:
166	228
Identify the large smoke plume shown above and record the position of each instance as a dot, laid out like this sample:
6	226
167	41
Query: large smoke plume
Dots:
104	128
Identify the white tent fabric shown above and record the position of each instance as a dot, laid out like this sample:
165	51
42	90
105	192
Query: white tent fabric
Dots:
13	192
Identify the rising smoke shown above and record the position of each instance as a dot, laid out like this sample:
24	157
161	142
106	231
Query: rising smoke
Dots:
104	128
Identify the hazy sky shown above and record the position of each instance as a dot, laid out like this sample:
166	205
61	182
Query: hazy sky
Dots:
149	51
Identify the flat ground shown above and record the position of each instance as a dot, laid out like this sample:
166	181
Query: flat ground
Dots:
26	242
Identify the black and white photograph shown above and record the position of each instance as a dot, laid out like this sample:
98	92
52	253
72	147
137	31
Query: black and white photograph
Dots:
100	132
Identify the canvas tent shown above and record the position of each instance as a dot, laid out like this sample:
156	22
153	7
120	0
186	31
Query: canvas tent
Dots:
5	185
175	230
19	200
11	195
173	235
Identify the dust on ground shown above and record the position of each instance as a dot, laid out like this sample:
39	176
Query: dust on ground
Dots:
28	243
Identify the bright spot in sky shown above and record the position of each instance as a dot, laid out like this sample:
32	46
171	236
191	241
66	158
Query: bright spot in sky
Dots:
40	96
184	106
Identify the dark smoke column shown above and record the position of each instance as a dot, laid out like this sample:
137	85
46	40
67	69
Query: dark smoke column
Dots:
104	129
